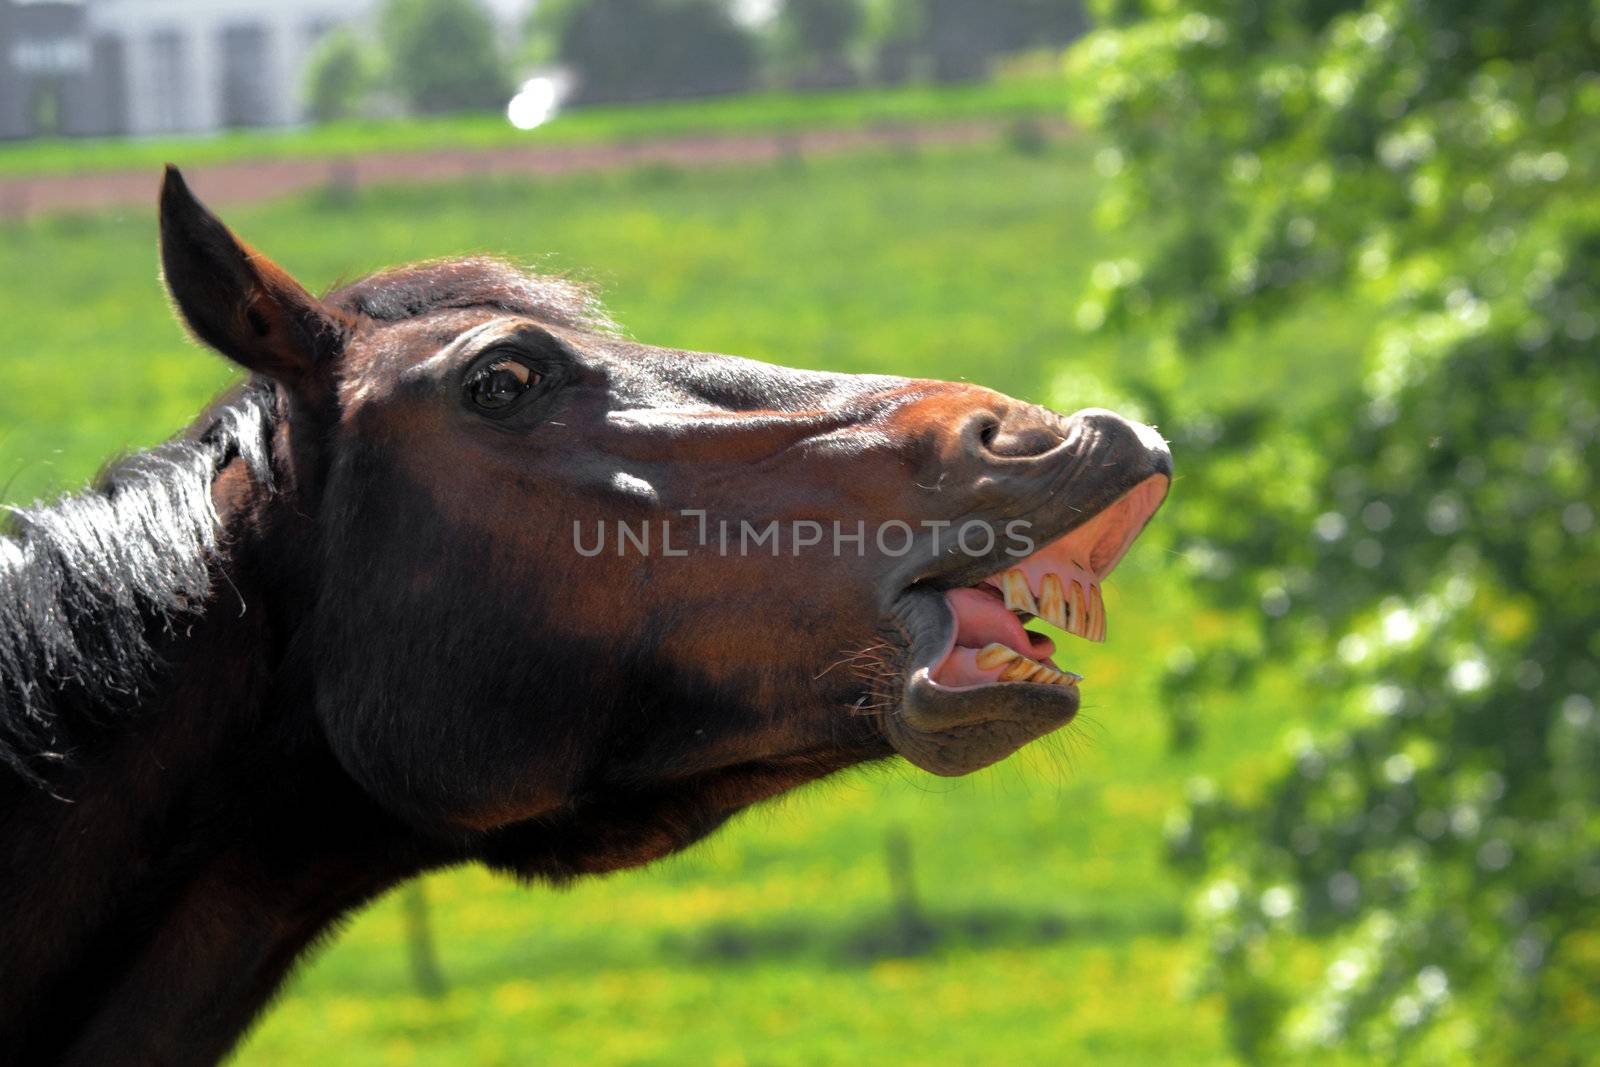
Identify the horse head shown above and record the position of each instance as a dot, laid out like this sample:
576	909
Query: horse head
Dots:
578	599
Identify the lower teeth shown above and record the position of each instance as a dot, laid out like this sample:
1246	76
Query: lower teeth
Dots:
1019	668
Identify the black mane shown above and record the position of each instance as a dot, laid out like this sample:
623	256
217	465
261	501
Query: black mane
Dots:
86	582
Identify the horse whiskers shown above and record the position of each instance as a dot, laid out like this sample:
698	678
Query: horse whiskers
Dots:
870	664
864	706
872	653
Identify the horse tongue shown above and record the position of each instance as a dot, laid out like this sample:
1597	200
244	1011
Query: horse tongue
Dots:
982	618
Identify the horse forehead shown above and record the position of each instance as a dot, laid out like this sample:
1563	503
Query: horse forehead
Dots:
390	348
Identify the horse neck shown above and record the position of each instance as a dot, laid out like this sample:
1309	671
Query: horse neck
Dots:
154	896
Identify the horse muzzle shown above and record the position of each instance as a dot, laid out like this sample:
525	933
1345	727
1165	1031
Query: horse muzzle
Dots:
976	685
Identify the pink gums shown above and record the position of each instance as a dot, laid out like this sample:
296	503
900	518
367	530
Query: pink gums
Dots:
1085	556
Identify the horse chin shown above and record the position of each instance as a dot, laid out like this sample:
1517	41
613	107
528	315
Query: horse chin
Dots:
953	730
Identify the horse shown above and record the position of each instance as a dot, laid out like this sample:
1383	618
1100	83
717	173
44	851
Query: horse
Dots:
459	574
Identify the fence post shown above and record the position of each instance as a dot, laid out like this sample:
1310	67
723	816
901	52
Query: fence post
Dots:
419	940
912	929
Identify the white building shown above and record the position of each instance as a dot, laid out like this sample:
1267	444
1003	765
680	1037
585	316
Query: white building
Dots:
158	66
195	65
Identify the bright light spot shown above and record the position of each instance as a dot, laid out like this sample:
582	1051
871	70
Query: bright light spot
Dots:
1107	274
1530	675
1552	166
1344	890
537	102
1494	855
755	13
1277	902
1221	898
1335	86
1386	699
1399	769
1198	28
1469	675
1108	162
1091	315
1373	28
632	485
1367	553
1344	973
1432	983
1445	514
1353	649
1399	626
1330	526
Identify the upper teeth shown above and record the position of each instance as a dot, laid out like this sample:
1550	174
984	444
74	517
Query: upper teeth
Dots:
1072	602
1018	596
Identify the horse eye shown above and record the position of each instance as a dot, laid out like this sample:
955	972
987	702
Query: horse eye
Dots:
498	385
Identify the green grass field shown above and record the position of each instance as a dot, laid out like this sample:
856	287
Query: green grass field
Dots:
1024	96
1058	930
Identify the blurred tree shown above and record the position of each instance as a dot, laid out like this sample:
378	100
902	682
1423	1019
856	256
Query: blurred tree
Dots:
1418	880
956	40
961	37
893	31
646	49
338	76
814	40
442	55
545	22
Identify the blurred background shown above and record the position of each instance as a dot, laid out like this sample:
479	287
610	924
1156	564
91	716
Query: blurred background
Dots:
1335	795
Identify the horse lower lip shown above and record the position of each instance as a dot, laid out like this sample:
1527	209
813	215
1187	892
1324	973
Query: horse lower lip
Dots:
953	731
956	731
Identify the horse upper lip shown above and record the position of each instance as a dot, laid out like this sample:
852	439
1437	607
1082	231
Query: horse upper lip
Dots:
1073	490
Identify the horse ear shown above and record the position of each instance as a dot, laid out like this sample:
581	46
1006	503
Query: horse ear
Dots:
238	301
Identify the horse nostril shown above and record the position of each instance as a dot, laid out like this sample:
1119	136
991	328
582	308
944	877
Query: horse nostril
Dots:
1021	436
987	432
1022	432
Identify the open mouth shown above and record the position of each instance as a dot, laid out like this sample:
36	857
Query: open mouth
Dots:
978	685
1060	583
